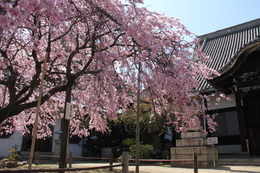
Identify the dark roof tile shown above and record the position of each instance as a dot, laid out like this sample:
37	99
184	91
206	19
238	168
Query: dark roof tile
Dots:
223	45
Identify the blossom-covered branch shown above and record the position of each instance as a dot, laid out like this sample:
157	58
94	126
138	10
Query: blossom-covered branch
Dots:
93	46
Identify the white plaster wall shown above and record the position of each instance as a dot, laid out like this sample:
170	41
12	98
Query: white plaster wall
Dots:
56	136
168	134
8	143
76	149
223	103
16	139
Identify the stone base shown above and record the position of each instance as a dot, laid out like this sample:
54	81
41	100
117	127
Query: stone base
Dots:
56	150
191	142
11	164
193	135
206	156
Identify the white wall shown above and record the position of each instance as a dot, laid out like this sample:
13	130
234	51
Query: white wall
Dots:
168	134
8	143
16	139
223	103
76	149
55	136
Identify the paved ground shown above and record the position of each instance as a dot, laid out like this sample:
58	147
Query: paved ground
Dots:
223	169
165	169
220	169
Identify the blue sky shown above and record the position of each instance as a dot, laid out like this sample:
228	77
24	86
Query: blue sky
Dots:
205	16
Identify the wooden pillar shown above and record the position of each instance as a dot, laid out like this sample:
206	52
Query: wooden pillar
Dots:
36	158
125	161
70	161
241	120
195	162
111	161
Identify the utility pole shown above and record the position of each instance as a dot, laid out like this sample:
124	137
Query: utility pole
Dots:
137	121
35	127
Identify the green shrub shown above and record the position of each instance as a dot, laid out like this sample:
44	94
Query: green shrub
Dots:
129	142
145	151
13	154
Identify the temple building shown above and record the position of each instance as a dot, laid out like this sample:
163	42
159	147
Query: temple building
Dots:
235	54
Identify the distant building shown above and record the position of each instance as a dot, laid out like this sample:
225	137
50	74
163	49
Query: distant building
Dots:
235	54
23	143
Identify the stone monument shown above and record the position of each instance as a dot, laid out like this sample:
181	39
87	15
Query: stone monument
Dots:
190	143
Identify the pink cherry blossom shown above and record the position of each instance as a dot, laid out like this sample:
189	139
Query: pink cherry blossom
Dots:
229	99
95	47
222	95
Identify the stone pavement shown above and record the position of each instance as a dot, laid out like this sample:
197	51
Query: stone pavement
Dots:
239	159
227	164
164	169
221	169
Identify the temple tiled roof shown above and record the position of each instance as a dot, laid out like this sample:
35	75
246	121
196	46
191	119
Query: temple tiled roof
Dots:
223	46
